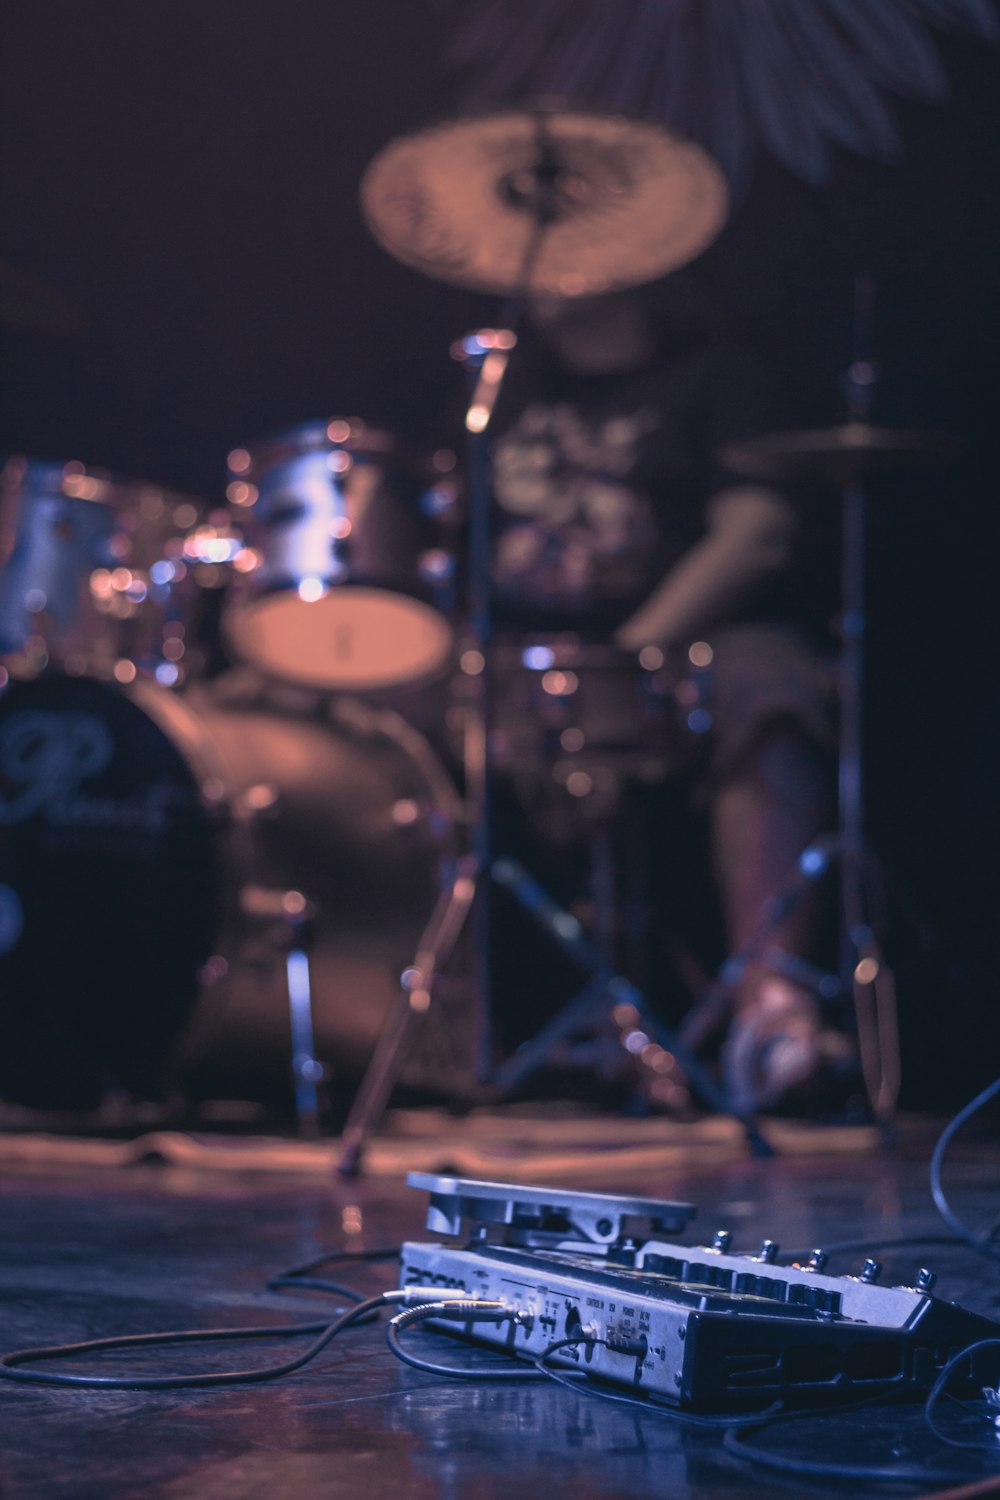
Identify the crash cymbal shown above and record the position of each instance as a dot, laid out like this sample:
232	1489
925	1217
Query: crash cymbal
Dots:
839	455
585	202
28	303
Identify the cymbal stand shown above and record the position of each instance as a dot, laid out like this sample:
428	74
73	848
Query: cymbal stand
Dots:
872	981
433	951
863	966
485	355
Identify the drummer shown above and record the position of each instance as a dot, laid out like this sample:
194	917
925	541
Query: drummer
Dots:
615	520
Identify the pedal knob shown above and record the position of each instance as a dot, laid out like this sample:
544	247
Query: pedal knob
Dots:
768	1251
721	1240
926	1280
871	1271
817	1260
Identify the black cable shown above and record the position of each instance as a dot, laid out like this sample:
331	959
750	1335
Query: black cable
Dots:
805	1467
585	1381
891	1242
938	1390
314	1284
975	1242
12	1365
735	1444
468	1313
384	1252
296	1276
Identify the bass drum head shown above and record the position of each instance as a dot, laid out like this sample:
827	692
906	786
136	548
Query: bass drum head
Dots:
108	887
351	637
349	806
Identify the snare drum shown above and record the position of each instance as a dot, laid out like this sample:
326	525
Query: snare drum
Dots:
579	712
103	576
336	588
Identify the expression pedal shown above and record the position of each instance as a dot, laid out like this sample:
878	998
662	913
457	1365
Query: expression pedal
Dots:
700	1327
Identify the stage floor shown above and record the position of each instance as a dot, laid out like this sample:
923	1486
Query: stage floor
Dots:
91	1248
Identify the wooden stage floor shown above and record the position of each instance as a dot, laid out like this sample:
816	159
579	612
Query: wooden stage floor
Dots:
94	1246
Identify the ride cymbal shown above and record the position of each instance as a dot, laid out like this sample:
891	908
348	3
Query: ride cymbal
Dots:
839	455
544	201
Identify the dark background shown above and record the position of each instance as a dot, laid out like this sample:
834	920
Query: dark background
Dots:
188	172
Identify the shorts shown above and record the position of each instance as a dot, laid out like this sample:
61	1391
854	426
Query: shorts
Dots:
762	674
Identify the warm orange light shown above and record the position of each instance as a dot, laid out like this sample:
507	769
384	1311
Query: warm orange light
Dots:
125	671
579	784
867	971
238	461
700	654
338	431
472	663
351	1219
560	684
651	658
81	487
405	812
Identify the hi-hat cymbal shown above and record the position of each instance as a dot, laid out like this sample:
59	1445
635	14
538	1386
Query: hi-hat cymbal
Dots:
544	201
839	455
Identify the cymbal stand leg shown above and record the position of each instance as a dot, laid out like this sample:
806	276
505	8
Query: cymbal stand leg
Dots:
307	1070
436	944
872	981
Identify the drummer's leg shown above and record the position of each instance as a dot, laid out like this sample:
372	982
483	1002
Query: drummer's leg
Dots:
772	794
776	801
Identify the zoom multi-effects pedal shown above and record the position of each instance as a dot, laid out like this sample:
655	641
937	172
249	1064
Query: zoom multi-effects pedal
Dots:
701	1327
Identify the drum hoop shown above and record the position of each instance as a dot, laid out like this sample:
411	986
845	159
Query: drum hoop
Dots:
362	442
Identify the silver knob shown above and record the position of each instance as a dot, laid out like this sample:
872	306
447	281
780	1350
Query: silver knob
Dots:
871	1271
817	1260
926	1280
721	1240
768	1251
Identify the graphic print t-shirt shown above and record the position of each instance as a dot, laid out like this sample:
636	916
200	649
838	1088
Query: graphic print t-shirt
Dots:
601	481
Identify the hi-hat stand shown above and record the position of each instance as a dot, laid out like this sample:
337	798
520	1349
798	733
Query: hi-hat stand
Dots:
847	458
485	355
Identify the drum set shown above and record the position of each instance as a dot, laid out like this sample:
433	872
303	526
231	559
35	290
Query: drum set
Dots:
222	838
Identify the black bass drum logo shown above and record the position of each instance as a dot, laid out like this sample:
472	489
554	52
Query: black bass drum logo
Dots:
43	759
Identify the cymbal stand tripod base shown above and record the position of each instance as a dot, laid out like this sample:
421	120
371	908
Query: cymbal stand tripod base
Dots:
602	994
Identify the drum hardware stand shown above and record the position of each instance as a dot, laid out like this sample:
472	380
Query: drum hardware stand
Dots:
713	1007
535	192
295	914
435	947
601	996
849	454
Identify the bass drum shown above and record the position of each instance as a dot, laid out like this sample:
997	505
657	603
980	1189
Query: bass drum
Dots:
144	841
